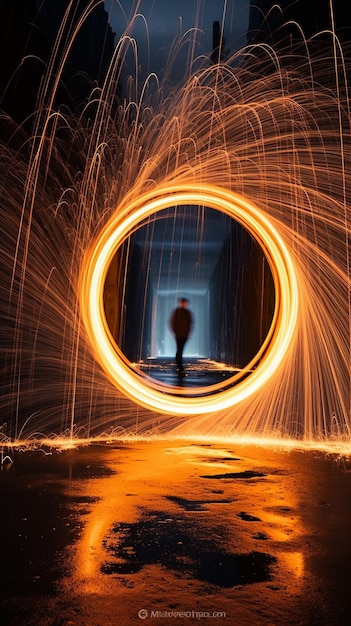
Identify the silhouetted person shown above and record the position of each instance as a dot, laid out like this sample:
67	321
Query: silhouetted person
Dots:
181	323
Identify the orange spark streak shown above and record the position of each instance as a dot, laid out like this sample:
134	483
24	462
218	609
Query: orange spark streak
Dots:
260	125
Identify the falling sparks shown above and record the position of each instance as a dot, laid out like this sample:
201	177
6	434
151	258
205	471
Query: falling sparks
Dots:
261	142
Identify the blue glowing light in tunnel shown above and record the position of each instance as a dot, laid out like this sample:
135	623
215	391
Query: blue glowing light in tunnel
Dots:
162	340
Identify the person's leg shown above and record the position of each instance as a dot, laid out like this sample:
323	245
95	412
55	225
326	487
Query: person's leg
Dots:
179	355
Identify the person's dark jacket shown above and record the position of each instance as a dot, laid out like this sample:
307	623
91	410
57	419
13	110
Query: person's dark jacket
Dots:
181	322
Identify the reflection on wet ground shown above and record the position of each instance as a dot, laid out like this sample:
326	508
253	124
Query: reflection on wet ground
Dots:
170	542
161	531
197	372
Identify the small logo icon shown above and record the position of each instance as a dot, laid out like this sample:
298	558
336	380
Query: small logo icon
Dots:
142	613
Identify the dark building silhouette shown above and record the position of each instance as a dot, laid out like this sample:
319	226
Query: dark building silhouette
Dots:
219	51
35	36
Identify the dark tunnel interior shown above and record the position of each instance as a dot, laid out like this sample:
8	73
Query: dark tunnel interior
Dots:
201	254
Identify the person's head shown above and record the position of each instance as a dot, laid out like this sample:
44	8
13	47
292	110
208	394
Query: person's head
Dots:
183	302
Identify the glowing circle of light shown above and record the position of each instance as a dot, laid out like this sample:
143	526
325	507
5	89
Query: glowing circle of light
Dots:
130	213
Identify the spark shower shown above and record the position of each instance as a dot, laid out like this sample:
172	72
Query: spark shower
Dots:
261	137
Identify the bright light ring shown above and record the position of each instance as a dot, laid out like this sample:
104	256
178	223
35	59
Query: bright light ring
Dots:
119	370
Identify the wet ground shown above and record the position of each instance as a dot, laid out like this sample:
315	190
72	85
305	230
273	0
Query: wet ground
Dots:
172	532
197	372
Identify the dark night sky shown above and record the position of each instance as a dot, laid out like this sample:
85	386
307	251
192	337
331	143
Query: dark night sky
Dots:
166	18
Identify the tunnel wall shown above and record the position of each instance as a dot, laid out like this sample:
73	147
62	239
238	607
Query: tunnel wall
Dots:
128	302
242	300
135	340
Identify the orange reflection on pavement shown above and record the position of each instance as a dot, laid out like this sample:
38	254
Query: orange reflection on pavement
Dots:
168	477
143	477
295	562
90	553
